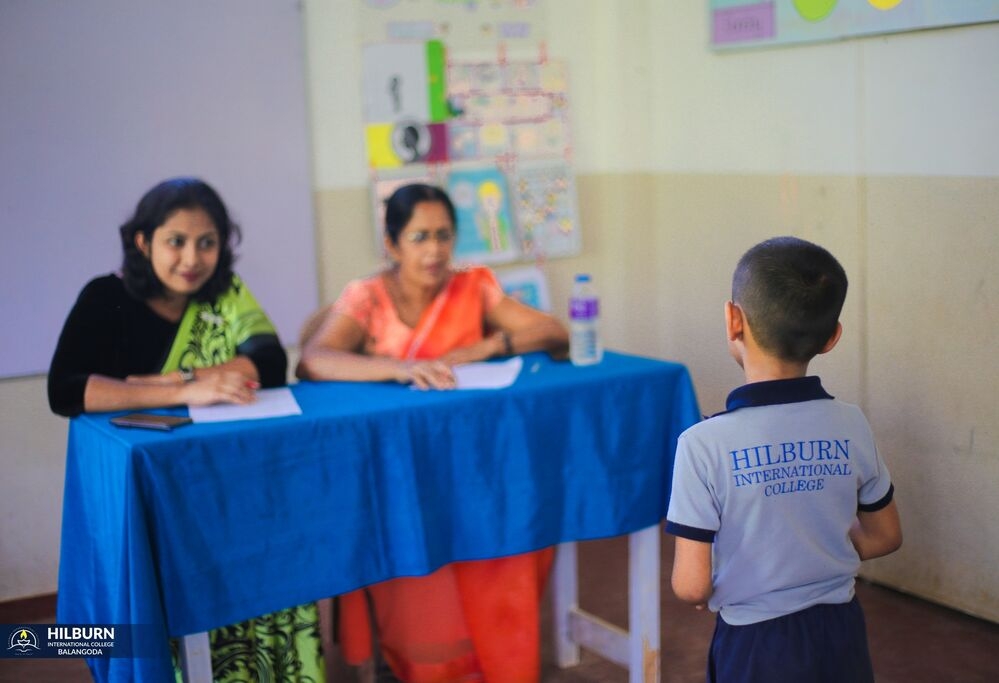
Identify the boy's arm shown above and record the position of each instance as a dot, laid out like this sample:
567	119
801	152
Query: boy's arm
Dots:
876	533
692	571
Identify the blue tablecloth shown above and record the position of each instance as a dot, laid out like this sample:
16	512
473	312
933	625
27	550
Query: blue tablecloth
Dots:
214	523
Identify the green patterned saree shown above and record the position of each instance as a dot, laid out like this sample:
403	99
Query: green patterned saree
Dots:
211	332
284	646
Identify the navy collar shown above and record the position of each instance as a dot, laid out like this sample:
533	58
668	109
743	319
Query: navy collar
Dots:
776	392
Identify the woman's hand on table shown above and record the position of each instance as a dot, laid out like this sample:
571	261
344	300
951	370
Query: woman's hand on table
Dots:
220	387
490	347
427	374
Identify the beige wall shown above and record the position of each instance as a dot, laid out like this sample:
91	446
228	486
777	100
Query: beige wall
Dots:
882	149
933	310
32	465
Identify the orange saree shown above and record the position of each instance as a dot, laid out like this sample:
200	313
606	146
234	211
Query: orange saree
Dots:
467	621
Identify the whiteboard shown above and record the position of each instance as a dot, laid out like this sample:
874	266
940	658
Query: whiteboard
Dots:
102	99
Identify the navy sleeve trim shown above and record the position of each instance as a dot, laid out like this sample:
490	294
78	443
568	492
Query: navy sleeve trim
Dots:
690	532
877	505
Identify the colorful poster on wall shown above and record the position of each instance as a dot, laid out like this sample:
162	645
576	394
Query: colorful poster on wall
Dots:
513	111
758	23
487	117
405	103
391	145
516	115
478	25
526	285
544	200
482	205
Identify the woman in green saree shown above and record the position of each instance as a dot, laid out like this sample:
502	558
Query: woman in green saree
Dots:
177	326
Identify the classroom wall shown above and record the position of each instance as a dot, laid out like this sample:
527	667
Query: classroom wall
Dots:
882	149
32	461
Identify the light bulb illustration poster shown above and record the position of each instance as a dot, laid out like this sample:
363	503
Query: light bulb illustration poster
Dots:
482	206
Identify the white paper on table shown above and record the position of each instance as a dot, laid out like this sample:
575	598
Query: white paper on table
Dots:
277	402
488	375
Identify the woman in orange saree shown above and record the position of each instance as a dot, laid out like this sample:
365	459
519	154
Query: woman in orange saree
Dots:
467	621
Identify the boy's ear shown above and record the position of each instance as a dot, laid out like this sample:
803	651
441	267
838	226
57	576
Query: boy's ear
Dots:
734	321
833	339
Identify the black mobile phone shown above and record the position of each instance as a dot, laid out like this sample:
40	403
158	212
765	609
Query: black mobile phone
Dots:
163	423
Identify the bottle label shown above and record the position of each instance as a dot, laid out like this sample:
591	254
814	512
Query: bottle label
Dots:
584	344
582	309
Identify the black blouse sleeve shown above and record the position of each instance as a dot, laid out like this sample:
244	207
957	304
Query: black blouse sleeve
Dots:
267	354
86	346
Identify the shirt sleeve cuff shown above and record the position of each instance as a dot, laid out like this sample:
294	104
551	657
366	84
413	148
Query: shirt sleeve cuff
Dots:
878	504
690	532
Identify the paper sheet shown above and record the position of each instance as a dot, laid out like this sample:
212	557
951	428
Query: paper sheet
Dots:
277	402
488	375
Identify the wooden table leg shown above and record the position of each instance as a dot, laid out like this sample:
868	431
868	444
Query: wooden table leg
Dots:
638	647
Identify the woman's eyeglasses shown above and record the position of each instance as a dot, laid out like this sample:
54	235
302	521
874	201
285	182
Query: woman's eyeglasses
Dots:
441	236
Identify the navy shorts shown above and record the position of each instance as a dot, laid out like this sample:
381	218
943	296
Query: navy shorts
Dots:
821	644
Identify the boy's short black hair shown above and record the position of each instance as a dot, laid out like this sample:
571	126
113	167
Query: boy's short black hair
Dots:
791	292
155	209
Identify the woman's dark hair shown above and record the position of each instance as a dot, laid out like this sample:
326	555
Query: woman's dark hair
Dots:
155	209
399	207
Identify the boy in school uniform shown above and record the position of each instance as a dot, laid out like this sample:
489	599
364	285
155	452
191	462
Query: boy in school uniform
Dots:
777	500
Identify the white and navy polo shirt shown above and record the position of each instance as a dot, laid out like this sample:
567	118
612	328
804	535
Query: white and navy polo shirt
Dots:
775	482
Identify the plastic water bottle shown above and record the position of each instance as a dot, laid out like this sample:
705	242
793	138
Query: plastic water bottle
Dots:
584	323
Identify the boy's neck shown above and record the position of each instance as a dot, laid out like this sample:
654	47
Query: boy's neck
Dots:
758	364
762	367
